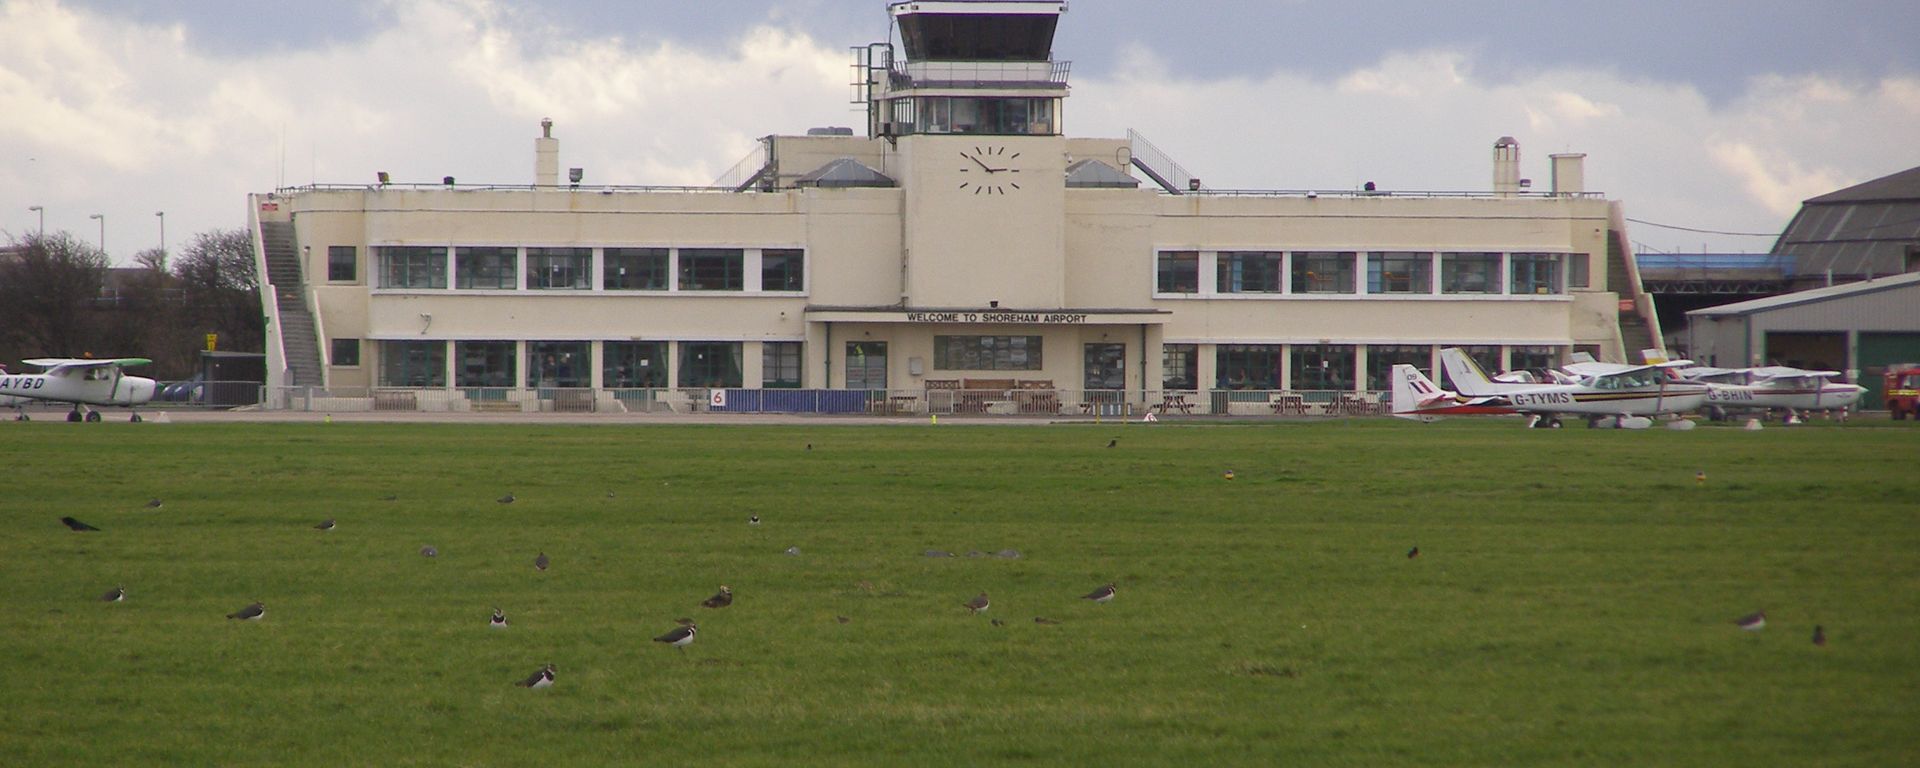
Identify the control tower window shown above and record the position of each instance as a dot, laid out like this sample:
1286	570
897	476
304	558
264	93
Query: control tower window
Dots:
997	116
978	36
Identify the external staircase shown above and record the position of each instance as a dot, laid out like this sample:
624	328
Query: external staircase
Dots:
297	334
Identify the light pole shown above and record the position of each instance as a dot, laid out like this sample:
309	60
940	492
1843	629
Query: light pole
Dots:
42	210
103	231
162	216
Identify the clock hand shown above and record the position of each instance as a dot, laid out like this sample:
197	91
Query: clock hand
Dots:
983	166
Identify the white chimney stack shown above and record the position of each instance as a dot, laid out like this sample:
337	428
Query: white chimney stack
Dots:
1569	173
546	156
1506	166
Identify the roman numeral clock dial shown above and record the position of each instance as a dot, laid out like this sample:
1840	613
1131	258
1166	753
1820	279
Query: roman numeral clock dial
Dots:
990	170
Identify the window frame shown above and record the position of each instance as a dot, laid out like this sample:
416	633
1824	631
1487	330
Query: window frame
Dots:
792	272
731	374
653	374
577	263
733	272
1419	279
579	361
637	259
398	359
1451	276
486	268
999	351
334	356
402	267
351	264
1169	269
1532	264
1258	364
781	364
1305	279
1234	271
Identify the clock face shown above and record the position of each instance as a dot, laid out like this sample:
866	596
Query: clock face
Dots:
990	170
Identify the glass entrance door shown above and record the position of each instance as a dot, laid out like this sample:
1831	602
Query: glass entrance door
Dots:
1105	366
866	365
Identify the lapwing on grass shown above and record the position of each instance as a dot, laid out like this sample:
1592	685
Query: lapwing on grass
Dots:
1819	635
679	637
325	526
721	599
77	525
795	551
1103	594
250	613
978	603
507	499
540	679
499	620
153	504
753	520
1413	553
1753	622
114	595
541	562
429	551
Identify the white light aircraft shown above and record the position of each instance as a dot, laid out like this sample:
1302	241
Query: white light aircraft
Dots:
1622	396
1774	386
1417	397
82	382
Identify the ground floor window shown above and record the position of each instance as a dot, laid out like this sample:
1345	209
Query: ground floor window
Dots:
1534	359
866	365
986	353
1180	366
1105	366
1381	358
1247	366
633	364
413	363
712	364
780	365
1323	366
559	364
483	364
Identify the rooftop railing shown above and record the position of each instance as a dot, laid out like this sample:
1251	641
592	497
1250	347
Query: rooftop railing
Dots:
979	74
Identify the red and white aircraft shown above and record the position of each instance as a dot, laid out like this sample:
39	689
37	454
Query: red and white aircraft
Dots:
79	381
1417	397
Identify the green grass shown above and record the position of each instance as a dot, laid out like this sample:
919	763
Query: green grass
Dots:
1573	604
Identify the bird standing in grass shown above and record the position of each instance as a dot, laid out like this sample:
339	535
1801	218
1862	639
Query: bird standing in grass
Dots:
325	526
1228	474
1113	442
115	595
1101	595
499	620
1819	635
1413	553
679	637
250	613
429	551
540	679
753	520
1753	622
541	562
153	504
978	604
507	499
77	525
1700	477
721	599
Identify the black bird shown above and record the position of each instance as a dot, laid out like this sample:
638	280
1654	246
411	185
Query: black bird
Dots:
1413	553
115	595
720	600
325	526
540	563
153	504
507	499
1753	622
978	604
842	619
1101	595
998	623
499	620
250	613
429	551
1113	442
77	525
809	446
680	636
540	679
1819	635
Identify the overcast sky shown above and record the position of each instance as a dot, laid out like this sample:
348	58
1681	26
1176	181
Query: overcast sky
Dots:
1709	115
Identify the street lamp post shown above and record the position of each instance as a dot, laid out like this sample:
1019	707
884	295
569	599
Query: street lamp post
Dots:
162	216
103	231
42	210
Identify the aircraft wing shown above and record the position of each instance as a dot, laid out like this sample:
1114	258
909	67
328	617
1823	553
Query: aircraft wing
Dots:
1784	372
51	363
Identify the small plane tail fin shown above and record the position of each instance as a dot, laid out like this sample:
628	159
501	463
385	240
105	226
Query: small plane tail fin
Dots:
1468	377
1411	390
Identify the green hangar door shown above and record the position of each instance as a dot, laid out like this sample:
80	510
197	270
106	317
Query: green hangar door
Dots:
1877	351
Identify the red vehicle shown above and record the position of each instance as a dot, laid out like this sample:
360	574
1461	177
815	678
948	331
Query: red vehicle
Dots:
1903	390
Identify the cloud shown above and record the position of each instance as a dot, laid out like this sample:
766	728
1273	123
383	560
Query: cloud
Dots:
111	115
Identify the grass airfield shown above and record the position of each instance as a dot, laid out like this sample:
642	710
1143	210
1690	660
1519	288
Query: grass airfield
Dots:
1573	602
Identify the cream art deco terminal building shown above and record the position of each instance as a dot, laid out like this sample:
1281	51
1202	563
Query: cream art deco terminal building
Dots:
965	254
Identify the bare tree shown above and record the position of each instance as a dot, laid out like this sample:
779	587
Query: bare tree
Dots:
222	289
48	283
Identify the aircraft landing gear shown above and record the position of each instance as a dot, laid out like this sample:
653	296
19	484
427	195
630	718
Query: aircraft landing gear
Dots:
136	417
1546	422
93	415
75	415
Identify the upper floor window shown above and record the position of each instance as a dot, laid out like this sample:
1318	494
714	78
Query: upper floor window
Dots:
561	268
343	263
1399	272
1536	273
634	269
1469	273
1177	272
782	269
712	269
1577	270
485	267
1248	272
412	266
1323	272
